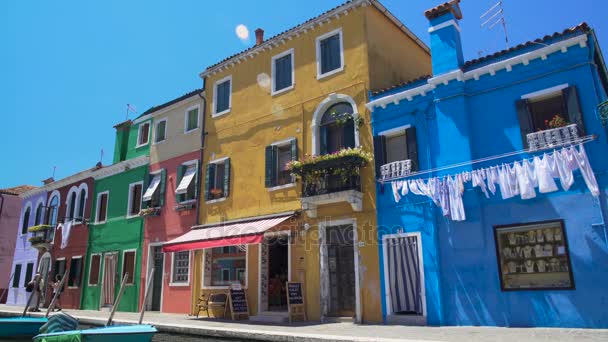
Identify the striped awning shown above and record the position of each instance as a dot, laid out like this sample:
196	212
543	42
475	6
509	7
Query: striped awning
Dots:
238	233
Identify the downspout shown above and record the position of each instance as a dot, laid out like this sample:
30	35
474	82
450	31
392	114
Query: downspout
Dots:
200	158
1	203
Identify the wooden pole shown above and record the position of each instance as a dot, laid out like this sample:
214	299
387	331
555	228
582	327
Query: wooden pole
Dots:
143	304
57	293
115	306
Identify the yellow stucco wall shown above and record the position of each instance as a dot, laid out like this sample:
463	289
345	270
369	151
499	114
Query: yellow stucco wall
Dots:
257	119
177	142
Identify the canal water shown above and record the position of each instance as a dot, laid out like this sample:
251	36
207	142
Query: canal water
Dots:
161	337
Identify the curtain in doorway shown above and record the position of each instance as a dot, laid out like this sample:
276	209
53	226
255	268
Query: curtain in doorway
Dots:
404	275
109	279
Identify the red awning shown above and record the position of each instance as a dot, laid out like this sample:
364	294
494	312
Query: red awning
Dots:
240	233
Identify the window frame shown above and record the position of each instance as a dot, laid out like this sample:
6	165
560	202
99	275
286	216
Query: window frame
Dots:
158	122
91	268
139	133
153	174
394	132
82	187
130	199
198	117
223	198
187	164
122	269
26	225
283	143
25	278
318	53
16	277
214	113
223	287
98	206
172	282
70	272
65	267
274	58
54	215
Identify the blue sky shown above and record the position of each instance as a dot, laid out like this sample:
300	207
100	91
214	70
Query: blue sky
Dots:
68	68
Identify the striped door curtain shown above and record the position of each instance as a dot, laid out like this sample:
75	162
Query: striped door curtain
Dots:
404	275
109	279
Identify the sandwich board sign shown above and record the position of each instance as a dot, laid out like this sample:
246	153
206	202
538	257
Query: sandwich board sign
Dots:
295	300
238	303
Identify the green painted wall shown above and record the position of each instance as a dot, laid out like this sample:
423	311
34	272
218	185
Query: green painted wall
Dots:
132	150
118	234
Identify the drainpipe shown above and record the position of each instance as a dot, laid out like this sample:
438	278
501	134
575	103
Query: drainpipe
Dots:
1	203
200	160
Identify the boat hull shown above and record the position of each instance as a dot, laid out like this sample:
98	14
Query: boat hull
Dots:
21	326
125	333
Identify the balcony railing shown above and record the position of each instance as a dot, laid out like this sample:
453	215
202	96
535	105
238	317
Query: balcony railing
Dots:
327	184
396	169
42	235
553	137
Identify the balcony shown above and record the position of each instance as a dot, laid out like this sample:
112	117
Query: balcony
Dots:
42	237
396	169
553	137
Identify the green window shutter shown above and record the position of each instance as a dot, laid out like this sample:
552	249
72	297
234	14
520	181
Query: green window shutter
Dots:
269	166
180	173
412	147
379	153
349	134
323	140
575	115
147	179
525	120
163	181
209	175
226	177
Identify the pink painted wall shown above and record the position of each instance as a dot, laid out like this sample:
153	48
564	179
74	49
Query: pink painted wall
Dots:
169	225
9	224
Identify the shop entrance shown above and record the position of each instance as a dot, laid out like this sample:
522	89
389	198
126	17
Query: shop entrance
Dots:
341	269
274	273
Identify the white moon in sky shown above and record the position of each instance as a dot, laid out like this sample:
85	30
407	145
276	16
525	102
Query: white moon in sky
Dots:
242	32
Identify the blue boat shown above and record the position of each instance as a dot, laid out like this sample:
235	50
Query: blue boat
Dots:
21	326
122	333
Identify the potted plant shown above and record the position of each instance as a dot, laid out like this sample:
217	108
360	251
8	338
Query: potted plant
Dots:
216	193
150	212
556	121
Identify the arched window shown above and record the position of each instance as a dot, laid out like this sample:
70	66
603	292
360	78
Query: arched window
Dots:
337	129
39	214
26	220
71	207
81	200
51	212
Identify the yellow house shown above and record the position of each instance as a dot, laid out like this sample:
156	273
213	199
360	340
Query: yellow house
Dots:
300	93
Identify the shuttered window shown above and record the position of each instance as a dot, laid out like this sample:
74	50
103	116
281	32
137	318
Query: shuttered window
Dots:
135	192
277	157
217	180
396	147
222	96
143	135
128	266
282	71
329	53
94	269
17	275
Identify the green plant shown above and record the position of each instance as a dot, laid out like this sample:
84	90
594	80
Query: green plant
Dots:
343	118
38	228
344	163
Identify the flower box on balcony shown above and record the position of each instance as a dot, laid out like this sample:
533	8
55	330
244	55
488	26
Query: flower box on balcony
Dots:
396	169
150	212
343	160
38	228
553	137
38	239
185	206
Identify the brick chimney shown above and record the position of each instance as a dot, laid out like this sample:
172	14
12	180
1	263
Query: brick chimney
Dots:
259	36
446	46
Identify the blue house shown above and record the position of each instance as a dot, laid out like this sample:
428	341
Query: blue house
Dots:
514	125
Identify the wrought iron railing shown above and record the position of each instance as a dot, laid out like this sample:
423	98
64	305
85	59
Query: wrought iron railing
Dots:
396	169
329	183
41	234
552	137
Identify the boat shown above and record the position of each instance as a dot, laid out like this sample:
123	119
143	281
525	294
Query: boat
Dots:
21	327
122	333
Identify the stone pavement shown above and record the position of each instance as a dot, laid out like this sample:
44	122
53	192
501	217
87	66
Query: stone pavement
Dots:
314	331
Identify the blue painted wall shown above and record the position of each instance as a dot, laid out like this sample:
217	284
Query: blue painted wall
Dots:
473	119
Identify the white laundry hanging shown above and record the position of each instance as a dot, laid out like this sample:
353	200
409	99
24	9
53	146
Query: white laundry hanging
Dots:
525	179
478	179
585	167
456	189
545	174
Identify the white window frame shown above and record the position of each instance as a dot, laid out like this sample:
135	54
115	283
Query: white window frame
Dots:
129	202
139	130
545	93
214	113
55	271
152	173
82	186
172	282
81	269
282	143
318	48
225	287
27	206
154	141
188	164
90	268
221	199
57	194
122	266
273	90
97	206
198	124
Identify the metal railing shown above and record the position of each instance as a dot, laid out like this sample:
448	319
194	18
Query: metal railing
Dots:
552	137
329	184
399	168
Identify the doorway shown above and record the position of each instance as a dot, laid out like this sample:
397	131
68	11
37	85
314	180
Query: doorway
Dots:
44	268
156	260
110	262
274	273
341	270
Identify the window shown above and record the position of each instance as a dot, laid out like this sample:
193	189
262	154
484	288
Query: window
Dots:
282	72
277	157
217	179
227	265
191	119
94	269
128	266
29	273
187	176
81	204
337	134
396	145
222	96
26	220
102	207
75	272
143	134
51	212
71	207
39	214
330	58
180	268
160	131
135	191
535	111
59	268
155	193
17	275
533	256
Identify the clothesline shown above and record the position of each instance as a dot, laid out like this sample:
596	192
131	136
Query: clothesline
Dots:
582	140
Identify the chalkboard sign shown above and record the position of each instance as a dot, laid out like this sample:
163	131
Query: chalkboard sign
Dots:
294	293
238	302
295	300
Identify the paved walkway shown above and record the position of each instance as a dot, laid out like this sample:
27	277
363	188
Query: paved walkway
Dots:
182	324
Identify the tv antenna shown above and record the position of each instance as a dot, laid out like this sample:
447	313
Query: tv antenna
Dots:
130	109
493	17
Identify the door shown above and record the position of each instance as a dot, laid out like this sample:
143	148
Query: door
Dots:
341	267
44	268
157	280
110	262
404	279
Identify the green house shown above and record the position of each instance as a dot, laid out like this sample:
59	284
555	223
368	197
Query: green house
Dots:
116	229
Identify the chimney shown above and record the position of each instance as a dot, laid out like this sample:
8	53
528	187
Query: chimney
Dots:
48	180
259	36
446	46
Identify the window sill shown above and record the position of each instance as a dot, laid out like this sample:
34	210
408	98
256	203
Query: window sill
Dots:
73	287
215	115
330	73
159	142
281	187
191	131
132	216
281	91
179	284
142	145
216	200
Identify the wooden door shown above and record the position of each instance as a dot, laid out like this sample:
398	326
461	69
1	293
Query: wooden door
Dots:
341	259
